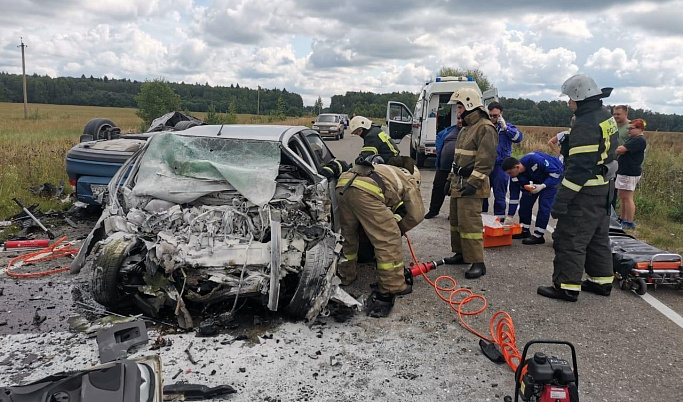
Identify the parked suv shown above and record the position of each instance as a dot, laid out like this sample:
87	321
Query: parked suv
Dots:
329	125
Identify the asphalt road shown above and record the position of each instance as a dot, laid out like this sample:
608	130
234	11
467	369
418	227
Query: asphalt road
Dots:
627	350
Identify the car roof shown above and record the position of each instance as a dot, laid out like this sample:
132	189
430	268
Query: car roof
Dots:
272	133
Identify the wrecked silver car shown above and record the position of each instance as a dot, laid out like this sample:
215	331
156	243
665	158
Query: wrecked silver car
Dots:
216	213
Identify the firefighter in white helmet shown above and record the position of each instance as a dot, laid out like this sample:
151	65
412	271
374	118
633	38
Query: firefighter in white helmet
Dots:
375	141
468	185
583	201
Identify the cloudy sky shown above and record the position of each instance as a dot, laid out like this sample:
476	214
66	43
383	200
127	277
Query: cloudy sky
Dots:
527	48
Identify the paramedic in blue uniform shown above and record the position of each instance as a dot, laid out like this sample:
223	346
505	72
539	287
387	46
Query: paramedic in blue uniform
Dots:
507	134
542	172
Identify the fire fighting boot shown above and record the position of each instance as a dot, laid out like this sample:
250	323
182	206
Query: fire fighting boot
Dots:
525	233
347	272
476	270
456	259
531	240
379	304
602	290
554	292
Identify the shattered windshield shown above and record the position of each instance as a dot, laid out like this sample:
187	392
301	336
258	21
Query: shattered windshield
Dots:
181	168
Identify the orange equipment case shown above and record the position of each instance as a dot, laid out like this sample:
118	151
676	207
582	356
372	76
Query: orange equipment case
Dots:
500	236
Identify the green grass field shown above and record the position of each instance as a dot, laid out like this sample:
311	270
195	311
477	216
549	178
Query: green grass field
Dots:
32	152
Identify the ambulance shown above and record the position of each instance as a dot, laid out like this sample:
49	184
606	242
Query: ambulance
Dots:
432	114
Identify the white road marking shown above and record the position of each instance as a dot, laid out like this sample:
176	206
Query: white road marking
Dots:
662	308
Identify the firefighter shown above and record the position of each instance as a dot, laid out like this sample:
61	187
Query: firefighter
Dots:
582	204
468	184
385	201
536	175
375	141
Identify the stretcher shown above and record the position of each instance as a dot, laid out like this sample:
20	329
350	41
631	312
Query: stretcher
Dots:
638	264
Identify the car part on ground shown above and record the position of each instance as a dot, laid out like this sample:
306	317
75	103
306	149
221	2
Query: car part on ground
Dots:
205	225
128	380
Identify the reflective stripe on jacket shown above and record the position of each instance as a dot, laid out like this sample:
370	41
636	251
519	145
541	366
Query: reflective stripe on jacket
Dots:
587	148
400	188
376	141
476	148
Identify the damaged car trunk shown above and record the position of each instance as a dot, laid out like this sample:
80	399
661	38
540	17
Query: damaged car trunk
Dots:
215	214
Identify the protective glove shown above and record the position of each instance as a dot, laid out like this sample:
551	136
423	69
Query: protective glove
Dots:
400	212
462	171
502	123
537	189
335	168
559	209
467	189
447	188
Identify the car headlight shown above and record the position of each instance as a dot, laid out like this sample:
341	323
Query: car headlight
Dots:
334	128
315	127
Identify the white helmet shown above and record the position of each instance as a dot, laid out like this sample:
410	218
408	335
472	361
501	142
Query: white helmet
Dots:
580	87
358	122
468	96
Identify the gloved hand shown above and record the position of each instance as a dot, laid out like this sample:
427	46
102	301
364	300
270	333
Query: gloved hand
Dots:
559	209
447	188
462	171
401	211
502	123
537	189
335	168
467	189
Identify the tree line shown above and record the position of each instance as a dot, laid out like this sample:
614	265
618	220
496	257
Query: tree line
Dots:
110	92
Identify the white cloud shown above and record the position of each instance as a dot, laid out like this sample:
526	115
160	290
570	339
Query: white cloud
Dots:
526	48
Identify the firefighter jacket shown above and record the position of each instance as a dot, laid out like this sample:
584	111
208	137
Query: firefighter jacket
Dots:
475	153
539	168
376	141
395	187
588	149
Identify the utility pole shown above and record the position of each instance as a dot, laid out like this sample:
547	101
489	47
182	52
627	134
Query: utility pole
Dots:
23	79
258	99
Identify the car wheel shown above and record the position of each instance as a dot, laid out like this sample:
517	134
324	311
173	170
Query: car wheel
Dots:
184	125
420	160
336	137
105	286
313	287
97	127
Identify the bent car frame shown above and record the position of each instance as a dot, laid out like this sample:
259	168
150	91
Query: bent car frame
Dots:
216	213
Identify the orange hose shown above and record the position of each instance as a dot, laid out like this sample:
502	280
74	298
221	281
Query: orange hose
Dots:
501	328
48	253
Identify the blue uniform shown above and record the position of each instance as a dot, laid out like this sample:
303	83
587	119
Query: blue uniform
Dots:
499	179
540	168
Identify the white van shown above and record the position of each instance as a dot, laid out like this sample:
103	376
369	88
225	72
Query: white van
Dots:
432	114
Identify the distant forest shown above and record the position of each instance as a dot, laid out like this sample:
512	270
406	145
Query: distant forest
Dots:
92	91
